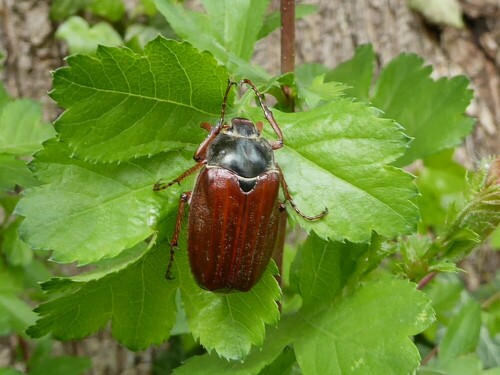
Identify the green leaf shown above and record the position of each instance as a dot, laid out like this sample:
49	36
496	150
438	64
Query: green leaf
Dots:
14	172
110	9
140	35
236	24
43	363
62	365
442	12
495	238
4	96
362	329
10	371
432	112
62	9
149	7
21	127
445	292
462	335
319	92
332	340
137	299
324	269
122	105
86	212
277	338
441	183
273	20
17	252
283	365
131	291
361	192
464	365
429	371
229	323
82	38
112	265
476	219
488	349
305	74
491	371
15	314
356	73
205	33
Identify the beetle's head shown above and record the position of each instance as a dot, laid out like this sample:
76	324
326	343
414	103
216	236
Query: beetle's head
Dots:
245	128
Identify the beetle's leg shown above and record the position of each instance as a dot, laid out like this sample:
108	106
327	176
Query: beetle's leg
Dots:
159	186
201	152
268	115
185	197
289	198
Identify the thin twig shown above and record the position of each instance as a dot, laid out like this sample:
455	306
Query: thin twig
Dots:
426	280
490	301
429	356
287	10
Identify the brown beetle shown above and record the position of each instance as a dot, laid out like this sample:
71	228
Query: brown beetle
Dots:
234	206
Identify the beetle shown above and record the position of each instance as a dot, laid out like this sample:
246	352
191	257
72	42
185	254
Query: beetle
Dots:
234	207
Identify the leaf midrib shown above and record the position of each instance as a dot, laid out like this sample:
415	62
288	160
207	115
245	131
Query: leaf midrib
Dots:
129	94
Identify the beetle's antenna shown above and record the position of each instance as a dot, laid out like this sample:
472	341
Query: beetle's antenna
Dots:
268	115
224	103
200	153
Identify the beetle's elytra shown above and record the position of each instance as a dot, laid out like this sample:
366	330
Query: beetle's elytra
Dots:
234	206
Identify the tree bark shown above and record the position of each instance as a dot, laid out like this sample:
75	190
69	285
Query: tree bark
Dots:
31	52
332	34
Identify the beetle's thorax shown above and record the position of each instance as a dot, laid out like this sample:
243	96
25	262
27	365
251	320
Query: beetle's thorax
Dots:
241	149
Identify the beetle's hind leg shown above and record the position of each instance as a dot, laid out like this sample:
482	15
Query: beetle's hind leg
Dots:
184	199
288	197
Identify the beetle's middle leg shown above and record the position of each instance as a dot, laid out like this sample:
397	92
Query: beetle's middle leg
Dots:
159	186
288	197
184	199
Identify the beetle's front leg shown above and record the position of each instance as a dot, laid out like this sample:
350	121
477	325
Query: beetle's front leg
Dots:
185	197
275	145
160	186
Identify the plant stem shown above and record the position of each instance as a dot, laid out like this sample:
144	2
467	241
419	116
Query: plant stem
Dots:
287	10
24	348
429	356
426	280
490	301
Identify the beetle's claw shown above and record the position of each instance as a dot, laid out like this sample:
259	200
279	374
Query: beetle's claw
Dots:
321	215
